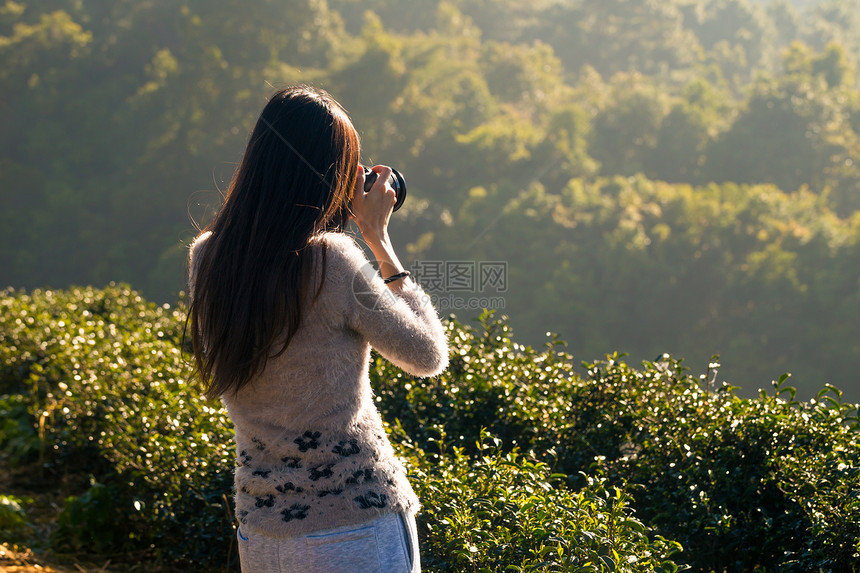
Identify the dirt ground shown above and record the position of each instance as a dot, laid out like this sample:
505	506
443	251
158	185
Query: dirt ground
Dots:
43	505
22	560
17	559
43	508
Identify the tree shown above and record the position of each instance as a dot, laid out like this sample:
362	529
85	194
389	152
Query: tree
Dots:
793	131
686	131
619	35
625	129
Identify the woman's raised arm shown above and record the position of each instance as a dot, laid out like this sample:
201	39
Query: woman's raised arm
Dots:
400	323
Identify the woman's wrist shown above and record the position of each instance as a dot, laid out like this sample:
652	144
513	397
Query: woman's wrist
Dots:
385	256
376	239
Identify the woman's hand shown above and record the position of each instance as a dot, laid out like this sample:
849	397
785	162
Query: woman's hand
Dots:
372	209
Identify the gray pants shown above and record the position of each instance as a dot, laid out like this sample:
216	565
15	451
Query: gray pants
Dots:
388	544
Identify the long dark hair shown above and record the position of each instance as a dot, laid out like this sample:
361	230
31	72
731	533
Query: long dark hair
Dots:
294	182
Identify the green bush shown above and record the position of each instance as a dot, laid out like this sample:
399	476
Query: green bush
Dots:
19	440
92	522
770	482
609	470
767	483
105	383
13	518
503	511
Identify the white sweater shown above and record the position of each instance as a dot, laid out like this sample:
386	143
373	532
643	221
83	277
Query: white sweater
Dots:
311	449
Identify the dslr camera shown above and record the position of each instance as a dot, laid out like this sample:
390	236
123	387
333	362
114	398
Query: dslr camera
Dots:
396	180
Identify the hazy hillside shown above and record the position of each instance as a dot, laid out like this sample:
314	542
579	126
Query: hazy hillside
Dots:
640	176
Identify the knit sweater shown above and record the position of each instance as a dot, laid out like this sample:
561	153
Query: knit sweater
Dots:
312	452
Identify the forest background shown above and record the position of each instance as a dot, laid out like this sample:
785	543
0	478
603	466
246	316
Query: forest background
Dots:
658	176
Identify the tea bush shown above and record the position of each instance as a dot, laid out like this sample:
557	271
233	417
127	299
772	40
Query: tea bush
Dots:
105	384
13	518
521	463
763	484
771	482
503	511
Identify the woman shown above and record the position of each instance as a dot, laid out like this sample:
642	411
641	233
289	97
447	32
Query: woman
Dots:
285	308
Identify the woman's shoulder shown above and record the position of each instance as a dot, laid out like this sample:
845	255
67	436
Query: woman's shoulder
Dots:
342	250
338	240
194	252
197	244
342	262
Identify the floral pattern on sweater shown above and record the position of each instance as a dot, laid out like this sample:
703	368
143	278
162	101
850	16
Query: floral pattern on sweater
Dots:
314	475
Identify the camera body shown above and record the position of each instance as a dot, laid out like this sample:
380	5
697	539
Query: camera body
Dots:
396	180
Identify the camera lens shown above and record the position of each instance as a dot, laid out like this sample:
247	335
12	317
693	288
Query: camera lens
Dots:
398	183
396	180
